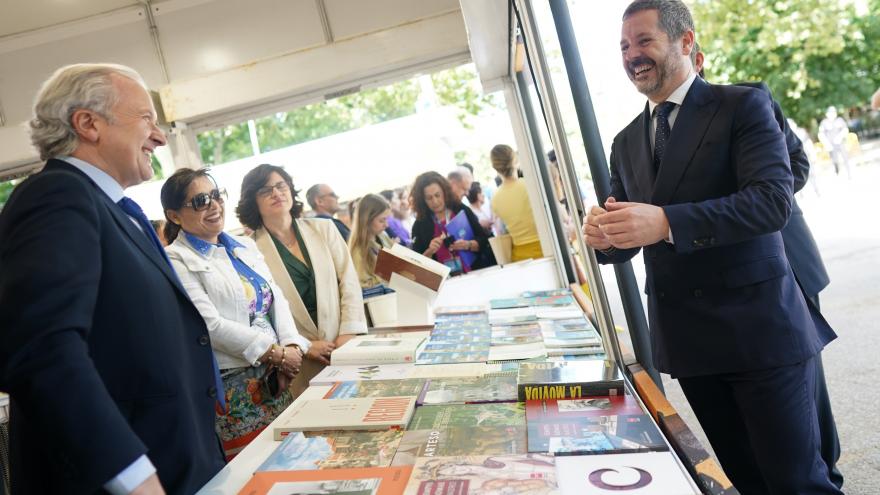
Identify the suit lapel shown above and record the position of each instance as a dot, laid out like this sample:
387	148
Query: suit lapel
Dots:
638	145
127	225
691	124
143	243
304	323
314	242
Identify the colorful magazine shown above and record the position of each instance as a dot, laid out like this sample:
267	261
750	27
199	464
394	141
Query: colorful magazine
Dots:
447	416
484	440
592	425
533	474
470	390
378	388
333	450
354	481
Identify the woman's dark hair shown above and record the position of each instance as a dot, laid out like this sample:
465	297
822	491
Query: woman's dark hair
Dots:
474	194
247	210
173	195
418	194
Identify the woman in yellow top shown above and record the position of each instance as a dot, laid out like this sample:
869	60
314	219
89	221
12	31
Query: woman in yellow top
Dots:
368	237
511	204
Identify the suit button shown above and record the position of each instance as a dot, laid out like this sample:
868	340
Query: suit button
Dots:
697	243
711	241
204	340
212	392
698	293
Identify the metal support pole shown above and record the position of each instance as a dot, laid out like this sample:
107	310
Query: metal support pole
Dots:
546	180
626	280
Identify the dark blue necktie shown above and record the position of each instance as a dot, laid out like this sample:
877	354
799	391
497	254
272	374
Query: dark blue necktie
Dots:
661	135
134	211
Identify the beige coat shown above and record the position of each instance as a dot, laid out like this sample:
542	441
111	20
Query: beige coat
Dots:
340	303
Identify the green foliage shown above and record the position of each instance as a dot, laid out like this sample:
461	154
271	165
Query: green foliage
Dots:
230	143
338	115
811	53
157	168
6	191
459	87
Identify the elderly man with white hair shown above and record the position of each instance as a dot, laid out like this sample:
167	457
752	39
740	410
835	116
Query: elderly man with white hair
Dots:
108	363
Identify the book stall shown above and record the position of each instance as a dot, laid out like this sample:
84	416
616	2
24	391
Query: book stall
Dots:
514	395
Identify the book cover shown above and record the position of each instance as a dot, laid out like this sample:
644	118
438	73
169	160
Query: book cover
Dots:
470	390
514	302
365	349
576	351
654	473
482	440
460	229
333	450
411	265
574	357
546	293
378	388
354	481
554	300
378	413
511	352
567	380
453	357
333	374
460	310
590	425
457	415
533	474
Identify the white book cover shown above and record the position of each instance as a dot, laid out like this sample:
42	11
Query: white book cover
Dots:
351	373
648	473
365	349
376	413
517	351
559	312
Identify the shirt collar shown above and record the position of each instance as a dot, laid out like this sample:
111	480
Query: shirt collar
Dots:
678	95
205	248
107	184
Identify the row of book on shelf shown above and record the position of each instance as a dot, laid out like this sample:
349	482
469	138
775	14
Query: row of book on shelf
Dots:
529	421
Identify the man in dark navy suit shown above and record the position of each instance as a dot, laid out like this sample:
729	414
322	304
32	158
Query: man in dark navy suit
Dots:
701	180
108	364
806	263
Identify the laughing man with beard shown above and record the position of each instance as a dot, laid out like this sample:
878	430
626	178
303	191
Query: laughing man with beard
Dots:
701	180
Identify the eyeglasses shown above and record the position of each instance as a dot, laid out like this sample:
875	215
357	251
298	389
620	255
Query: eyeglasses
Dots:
266	191
201	202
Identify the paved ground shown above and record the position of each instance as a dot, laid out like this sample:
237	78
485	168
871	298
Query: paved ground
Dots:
844	215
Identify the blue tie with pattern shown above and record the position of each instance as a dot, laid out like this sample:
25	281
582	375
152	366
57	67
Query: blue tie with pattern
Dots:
134	211
661	135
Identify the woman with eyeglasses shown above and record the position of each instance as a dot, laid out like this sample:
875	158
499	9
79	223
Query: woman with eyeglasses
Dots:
310	261
254	338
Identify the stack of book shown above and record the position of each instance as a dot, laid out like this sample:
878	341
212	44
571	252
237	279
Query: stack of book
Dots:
467	426
368	349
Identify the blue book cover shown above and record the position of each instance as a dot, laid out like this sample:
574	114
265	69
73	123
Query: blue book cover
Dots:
460	228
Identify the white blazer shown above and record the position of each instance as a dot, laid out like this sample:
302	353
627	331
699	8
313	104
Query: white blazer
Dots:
340	301
216	290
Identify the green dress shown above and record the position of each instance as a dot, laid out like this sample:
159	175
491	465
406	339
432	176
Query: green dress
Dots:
301	273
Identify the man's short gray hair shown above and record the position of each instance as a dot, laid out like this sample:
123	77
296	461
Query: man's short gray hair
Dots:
71	88
675	18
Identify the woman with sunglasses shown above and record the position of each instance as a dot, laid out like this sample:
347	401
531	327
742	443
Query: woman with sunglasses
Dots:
255	341
310	261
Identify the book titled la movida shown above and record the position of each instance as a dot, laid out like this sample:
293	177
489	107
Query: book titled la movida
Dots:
568	380
375	413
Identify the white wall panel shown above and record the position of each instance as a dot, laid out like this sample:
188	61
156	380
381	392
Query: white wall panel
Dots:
24	15
228	33
22	71
323	67
354	17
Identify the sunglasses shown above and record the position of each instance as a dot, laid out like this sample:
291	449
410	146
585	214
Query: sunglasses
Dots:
266	191
201	202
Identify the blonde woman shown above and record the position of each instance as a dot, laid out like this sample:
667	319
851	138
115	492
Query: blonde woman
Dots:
368	237
511	204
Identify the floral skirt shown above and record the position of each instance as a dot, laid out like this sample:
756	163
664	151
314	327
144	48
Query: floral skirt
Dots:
248	409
